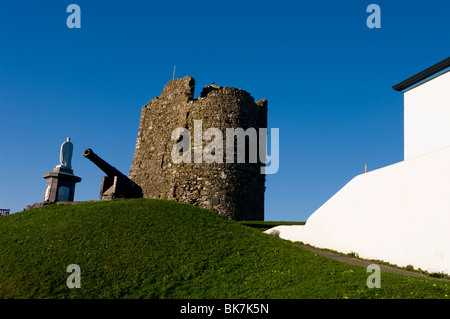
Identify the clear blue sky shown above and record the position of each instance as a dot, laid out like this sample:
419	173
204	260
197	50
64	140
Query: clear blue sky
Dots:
327	76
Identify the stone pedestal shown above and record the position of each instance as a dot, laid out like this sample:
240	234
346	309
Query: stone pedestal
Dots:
60	185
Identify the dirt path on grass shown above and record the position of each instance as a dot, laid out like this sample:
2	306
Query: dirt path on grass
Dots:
364	263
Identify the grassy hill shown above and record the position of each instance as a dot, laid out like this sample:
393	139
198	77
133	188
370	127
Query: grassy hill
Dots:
162	249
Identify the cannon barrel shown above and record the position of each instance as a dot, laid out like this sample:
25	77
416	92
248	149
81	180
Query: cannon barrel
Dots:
115	184
102	164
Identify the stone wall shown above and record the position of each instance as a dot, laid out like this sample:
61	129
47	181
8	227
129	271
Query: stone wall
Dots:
234	190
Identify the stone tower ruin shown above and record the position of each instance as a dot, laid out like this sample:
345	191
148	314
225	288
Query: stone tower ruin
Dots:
234	190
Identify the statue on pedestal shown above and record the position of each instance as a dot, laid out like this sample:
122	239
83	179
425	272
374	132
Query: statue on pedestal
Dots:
61	182
65	156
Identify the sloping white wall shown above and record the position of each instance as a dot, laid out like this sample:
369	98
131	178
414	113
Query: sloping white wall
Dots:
399	214
427	116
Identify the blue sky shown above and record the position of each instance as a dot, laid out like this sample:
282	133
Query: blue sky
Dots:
327	76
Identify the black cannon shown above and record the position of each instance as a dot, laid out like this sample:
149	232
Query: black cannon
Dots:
115	184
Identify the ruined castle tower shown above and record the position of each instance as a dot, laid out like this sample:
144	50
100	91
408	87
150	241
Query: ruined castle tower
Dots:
235	190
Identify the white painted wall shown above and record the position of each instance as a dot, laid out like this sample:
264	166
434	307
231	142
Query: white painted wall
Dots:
399	214
427	117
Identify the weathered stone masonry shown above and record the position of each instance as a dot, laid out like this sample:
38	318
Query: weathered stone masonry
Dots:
234	190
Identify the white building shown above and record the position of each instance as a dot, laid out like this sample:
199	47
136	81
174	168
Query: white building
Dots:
399	213
427	110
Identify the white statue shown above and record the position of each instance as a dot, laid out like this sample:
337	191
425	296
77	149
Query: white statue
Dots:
65	156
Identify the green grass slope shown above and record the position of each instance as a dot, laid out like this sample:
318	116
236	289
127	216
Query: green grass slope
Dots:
162	249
